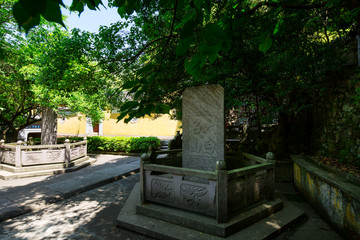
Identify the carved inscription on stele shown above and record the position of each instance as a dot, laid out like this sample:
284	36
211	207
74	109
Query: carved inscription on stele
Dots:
203	127
192	195
162	190
203	137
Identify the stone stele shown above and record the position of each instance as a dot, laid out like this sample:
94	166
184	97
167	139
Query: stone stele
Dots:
203	127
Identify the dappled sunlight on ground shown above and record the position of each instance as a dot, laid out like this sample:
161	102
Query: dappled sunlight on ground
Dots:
90	215
273	224
20	182
101	161
59	221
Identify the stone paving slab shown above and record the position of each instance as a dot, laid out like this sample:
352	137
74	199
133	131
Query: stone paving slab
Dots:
89	215
119	169
9	209
20	196
35	199
67	186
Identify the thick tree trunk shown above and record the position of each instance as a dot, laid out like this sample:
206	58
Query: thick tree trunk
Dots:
11	135
48	126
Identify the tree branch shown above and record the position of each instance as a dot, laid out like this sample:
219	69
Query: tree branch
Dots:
285	5
166	46
143	49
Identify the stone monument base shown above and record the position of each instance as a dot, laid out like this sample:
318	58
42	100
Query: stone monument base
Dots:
261	221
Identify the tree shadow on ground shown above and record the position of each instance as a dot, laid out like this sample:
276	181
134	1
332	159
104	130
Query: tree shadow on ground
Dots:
90	215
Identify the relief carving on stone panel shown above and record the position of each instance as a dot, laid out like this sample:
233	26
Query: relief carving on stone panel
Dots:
81	150
74	153
34	157
54	156
9	157
193	195
262	185
238	194
162	190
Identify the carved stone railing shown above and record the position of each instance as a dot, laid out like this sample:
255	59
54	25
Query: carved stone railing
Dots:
218	193
21	156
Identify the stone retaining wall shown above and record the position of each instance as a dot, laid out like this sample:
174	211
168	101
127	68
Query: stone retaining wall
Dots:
336	198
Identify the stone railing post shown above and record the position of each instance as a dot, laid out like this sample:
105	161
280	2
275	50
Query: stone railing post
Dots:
221	192
142	181
31	141
2	145
67	152
145	159
18	154
271	158
85	147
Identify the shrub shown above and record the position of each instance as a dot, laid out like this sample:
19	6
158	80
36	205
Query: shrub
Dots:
60	140
114	144
122	144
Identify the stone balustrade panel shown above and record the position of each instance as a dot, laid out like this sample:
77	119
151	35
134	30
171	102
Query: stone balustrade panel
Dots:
174	191
250	189
43	157
77	152
8	157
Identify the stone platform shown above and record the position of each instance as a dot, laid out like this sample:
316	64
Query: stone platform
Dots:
173	221
8	172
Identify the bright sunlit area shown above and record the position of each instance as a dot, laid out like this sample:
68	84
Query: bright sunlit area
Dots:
90	20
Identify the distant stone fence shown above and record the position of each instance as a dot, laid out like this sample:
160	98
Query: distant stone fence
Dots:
18	155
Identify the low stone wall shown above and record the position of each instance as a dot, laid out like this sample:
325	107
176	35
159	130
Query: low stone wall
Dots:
335	197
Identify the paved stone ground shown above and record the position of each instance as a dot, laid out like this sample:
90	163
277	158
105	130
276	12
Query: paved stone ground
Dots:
29	194
92	213
313	227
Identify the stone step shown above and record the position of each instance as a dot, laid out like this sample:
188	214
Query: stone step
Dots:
264	229
54	166
208	224
35	172
164	145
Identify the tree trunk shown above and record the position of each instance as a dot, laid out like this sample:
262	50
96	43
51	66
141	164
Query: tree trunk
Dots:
48	126
358	48
11	135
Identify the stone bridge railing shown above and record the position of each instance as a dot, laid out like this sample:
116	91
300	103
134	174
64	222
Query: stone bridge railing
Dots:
18	155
